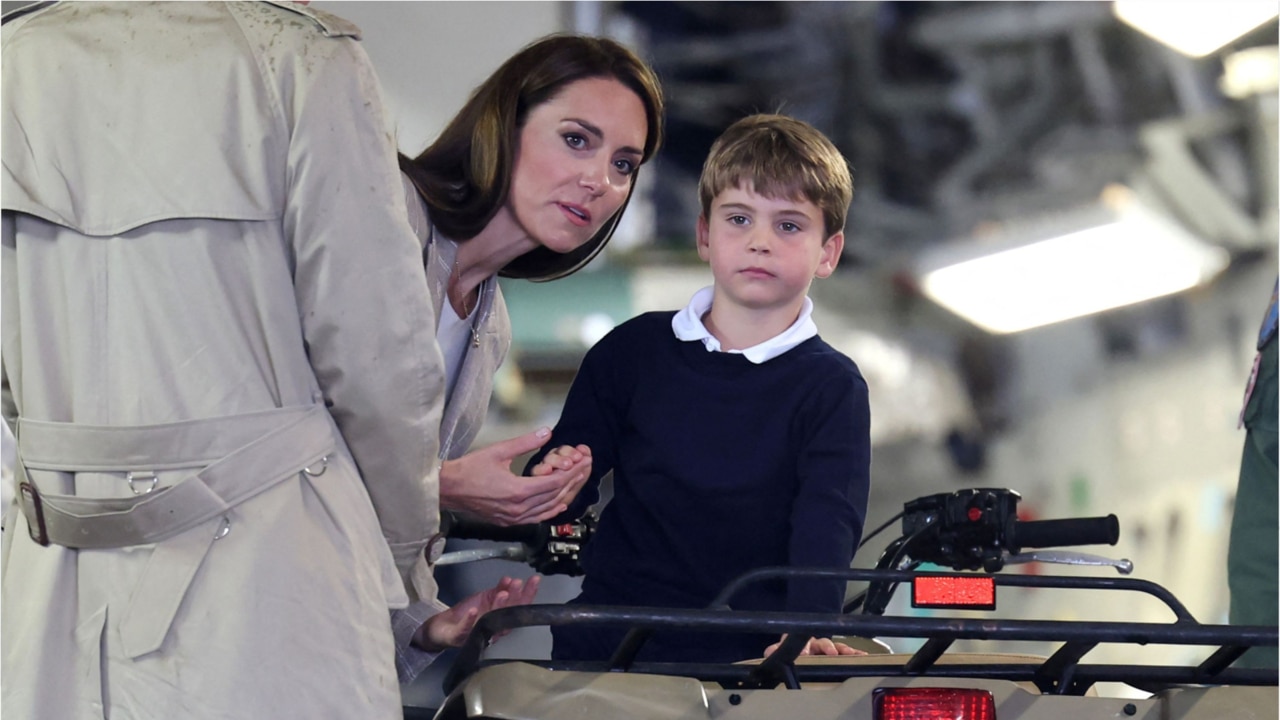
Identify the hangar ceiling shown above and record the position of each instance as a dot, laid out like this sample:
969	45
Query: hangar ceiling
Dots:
958	117
956	114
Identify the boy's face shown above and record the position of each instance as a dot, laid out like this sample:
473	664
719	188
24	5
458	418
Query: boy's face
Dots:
764	251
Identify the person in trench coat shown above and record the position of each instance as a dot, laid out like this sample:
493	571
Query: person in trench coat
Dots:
220	366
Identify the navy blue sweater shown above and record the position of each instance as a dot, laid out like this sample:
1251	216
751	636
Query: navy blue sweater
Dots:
720	466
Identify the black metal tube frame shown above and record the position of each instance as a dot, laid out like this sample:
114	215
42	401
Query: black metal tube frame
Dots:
1062	673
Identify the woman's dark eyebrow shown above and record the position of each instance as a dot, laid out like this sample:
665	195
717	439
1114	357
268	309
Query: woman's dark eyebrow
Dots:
599	133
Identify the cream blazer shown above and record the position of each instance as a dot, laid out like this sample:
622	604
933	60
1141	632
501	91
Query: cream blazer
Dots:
203	218
467	407
465	412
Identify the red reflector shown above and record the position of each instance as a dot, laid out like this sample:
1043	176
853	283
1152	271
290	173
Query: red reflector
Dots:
975	514
959	592
934	704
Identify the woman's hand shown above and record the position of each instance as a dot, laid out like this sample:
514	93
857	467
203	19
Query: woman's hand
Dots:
817	646
481	483
449	629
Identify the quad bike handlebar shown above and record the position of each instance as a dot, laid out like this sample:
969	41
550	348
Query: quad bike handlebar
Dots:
979	528
966	530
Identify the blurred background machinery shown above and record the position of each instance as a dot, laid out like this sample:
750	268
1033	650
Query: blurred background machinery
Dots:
1119	177
1094	157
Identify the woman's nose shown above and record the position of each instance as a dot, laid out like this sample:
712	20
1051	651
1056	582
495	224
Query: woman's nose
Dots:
599	177
593	179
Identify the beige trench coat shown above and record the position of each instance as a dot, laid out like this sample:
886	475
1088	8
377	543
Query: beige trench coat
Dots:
202	219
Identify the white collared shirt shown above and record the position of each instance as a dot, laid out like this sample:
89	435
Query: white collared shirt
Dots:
687	325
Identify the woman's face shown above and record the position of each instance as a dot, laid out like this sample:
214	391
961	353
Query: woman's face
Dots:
578	154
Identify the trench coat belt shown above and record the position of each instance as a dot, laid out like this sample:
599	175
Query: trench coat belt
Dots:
242	456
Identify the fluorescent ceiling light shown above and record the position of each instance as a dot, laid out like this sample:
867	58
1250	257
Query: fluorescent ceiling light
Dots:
1123	255
1195	27
1255	71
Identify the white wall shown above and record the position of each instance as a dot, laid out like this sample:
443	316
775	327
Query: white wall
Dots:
1146	438
1152	439
429	55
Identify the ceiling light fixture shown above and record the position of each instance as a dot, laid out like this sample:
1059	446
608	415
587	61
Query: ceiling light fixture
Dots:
1113	254
1253	71
1198	27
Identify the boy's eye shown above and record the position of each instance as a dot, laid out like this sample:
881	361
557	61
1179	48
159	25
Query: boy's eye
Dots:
789	227
738	220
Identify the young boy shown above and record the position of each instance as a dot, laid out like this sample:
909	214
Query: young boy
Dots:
738	439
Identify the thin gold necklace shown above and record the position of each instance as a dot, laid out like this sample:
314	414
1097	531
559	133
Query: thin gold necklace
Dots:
466	312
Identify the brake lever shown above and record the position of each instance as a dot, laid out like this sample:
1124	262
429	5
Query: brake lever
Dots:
1123	566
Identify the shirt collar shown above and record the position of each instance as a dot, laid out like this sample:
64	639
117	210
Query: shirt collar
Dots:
687	325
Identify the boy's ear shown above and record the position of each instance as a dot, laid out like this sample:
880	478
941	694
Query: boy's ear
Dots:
831	250
704	238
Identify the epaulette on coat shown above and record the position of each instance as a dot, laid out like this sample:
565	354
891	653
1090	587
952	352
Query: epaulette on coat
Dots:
330	25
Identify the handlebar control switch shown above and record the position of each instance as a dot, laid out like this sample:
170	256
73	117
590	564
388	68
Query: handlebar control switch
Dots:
559	550
965	530
979	528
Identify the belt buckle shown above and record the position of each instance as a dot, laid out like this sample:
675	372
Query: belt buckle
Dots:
435	548
39	533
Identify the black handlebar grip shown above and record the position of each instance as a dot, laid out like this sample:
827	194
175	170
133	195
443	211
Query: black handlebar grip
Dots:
456	526
1058	533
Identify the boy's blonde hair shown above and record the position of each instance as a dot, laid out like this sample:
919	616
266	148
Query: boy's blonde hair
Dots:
780	157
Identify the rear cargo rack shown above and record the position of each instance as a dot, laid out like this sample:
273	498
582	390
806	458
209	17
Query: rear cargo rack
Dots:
1062	673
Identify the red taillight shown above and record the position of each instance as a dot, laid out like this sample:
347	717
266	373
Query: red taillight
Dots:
934	704
960	592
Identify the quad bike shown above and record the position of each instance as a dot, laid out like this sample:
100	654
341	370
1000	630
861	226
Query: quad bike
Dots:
976	532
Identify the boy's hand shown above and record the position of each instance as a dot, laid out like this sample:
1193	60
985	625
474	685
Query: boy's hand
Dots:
566	459
449	629
817	646
562	458
481	483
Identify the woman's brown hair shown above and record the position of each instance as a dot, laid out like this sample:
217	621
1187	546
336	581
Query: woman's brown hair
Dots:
465	175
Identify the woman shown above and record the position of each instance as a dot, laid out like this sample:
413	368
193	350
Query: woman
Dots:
528	181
